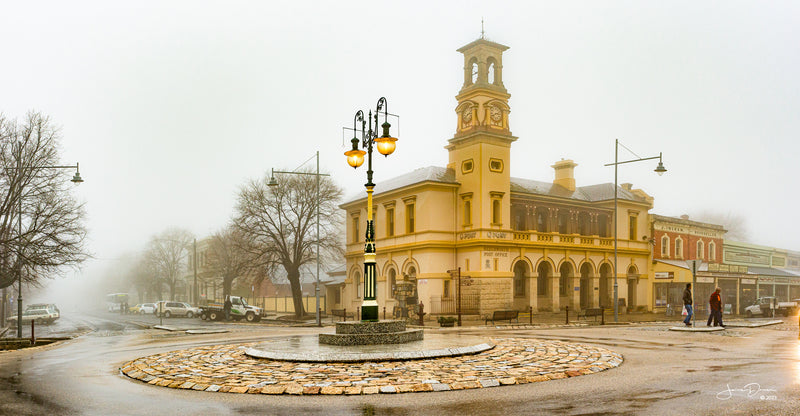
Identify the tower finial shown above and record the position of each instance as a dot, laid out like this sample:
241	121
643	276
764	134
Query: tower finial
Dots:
483	34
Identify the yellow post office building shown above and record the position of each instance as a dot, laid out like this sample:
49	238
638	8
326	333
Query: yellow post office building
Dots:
519	243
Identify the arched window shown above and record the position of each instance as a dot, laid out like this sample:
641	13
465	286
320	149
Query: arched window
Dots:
712	251
491	73
520	273
391	282
664	246
700	250
679	248
358	284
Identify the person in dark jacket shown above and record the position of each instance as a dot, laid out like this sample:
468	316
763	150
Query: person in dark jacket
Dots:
227	307
687	303
715	301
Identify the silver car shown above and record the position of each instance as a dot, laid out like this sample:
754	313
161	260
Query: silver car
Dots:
172	308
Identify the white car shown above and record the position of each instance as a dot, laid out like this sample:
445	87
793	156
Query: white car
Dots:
146	308
41	316
51	308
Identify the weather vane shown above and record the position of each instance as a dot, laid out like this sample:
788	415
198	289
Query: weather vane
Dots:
482	31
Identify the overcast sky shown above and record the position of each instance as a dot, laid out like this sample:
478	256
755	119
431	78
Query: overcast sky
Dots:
171	106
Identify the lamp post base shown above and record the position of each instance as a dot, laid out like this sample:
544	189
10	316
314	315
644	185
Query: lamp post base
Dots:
369	313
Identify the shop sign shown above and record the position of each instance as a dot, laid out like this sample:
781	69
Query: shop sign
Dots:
664	275
748	281
705	280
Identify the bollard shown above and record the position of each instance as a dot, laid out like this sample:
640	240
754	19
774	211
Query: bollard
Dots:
567	309
530	316
33	336
384	313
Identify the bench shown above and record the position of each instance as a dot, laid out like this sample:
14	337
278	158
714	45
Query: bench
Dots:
504	315
343	313
591	312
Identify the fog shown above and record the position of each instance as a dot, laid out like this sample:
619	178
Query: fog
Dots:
171	106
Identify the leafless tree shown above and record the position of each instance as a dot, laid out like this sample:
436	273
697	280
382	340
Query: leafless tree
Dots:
281	222
736	224
232	255
166	257
52	229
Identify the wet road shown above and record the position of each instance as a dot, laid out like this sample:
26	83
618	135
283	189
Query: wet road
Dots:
663	373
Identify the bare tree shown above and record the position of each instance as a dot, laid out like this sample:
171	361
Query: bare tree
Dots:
281	222
166	257
231	255
735	224
41	224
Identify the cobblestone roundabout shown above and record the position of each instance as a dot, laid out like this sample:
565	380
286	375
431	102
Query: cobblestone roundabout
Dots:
225	368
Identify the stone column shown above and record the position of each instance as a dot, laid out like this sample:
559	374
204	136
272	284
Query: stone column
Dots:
595	295
555	295
533	293
575	295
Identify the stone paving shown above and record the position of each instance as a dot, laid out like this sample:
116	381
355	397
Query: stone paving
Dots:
226	369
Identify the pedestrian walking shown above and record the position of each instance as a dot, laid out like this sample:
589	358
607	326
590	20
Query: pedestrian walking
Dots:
715	302
227	307
687	304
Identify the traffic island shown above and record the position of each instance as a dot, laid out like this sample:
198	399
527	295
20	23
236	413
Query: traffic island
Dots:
227	369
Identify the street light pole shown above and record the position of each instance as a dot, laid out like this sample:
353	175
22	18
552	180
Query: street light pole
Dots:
75	179
660	170
273	183
355	157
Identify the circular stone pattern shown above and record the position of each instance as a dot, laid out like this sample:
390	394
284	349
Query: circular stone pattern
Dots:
225	368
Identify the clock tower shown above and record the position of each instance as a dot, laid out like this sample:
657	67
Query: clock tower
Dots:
480	149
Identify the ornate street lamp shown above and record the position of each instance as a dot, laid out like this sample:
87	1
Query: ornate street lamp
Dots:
355	158
660	170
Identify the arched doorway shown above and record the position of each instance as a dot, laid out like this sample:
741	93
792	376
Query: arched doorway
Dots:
520	285
565	288
633	281
605	286
544	273
586	286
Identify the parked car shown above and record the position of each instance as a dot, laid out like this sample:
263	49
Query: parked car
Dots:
171	308
146	308
51	308
41	316
765	306
239	310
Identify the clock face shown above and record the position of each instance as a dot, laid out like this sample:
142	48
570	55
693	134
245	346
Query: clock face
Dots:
496	114
466	115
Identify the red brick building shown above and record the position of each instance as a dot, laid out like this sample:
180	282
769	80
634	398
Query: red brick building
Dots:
676	240
684	239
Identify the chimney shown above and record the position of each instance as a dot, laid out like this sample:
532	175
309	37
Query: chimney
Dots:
627	186
565	174
684	217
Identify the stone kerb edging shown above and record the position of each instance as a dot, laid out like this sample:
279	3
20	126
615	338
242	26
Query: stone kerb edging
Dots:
225	368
